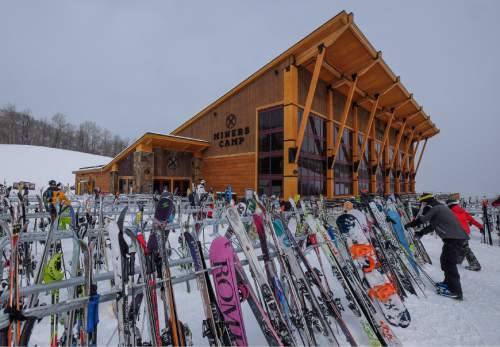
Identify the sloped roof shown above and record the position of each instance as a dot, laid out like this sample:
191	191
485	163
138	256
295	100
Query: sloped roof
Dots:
348	52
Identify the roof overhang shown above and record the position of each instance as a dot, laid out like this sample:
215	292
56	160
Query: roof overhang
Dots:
147	142
348	54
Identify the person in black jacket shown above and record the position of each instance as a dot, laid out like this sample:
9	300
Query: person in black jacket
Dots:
442	220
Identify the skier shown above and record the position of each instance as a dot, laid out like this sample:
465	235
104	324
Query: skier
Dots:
496	202
48	199
447	226
200	191
229	193
465	219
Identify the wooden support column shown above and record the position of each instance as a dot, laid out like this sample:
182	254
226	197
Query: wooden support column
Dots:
113	178
412	167
373	154
290	120
345	113
367	134
330	177
309	101
404	167
355	151
385	140
397	178
420	158
387	177
398	142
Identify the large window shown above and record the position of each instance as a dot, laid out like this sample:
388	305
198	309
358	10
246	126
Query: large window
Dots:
364	171
391	175
271	151
312	160
343	163
402	176
380	171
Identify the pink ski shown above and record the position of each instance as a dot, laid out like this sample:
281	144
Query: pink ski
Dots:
223	272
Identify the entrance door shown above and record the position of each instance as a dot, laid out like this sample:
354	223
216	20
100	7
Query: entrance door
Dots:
159	185
181	186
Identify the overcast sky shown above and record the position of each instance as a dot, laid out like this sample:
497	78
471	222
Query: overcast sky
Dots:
148	66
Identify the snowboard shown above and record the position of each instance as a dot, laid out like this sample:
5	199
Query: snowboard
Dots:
381	290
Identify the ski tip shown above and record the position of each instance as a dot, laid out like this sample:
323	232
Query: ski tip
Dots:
121	218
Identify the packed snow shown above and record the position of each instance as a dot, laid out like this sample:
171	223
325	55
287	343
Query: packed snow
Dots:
436	320
37	164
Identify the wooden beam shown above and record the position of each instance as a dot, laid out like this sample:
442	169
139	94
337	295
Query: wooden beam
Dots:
330	177
420	157
407	150
327	42
345	113
374	62
398	142
384	140
309	101
399	104
367	133
382	93
331	69
411	116
355	151
290	119
348	82
373	154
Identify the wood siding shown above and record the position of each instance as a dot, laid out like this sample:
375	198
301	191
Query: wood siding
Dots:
266	90
95	179
163	157
237	170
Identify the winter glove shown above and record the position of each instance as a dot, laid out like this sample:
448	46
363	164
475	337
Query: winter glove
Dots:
418	235
411	224
481	230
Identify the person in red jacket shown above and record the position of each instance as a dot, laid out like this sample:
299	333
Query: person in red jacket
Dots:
466	220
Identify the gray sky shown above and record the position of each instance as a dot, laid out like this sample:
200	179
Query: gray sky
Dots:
148	66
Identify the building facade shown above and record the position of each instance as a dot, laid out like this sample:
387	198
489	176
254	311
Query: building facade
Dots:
328	116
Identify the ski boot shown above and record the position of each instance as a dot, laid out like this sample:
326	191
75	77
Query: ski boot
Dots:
475	267
441	285
447	293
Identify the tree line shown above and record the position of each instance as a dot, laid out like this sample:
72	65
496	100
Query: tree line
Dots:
20	127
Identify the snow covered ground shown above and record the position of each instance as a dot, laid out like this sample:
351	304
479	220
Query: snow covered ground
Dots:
439	321
38	164
436	320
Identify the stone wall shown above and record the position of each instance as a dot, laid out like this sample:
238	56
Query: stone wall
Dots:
143	172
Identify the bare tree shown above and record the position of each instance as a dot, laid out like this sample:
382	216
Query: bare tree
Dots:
21	128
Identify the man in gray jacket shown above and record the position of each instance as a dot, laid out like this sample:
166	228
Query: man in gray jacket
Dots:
448	228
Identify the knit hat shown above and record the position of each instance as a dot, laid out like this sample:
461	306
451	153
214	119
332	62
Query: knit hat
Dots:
425	197
452	202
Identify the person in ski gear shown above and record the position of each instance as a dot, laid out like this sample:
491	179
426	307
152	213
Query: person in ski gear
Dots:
229	193
48	197
200	191
496	202
465	220
448	228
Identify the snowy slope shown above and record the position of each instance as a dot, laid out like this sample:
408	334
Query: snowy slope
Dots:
40	164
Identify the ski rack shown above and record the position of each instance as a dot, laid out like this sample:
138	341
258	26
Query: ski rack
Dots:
73	304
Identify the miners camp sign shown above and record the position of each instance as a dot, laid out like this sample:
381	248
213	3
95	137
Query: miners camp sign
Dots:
231	136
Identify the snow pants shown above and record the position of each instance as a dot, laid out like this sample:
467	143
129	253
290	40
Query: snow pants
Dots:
469	255
452	249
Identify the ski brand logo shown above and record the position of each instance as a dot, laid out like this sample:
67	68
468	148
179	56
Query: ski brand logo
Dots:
232	136
228	299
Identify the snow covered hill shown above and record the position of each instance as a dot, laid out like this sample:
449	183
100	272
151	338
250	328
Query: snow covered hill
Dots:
38	165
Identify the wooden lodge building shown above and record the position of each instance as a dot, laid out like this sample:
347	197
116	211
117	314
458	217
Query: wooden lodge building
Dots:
328	116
